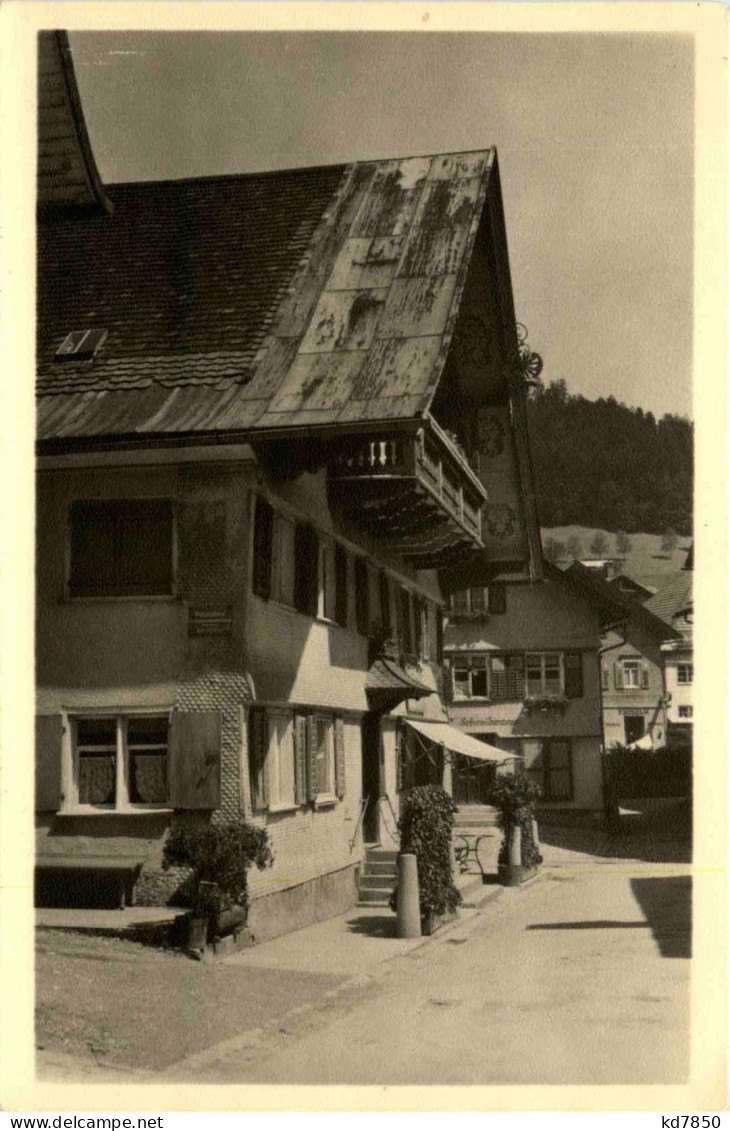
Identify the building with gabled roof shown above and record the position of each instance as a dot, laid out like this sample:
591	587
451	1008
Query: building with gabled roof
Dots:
273	410
674	605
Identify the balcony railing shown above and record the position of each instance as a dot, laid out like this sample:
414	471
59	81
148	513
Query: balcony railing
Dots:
416	490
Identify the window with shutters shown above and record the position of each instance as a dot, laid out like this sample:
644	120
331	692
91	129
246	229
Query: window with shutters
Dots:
121	548
326	596
497	602
282	581
324	753
685	711
306	569
543	673
282	775
120	762
630	675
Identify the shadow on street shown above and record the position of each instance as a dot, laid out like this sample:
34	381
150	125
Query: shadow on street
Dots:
656	832
378	927
666	901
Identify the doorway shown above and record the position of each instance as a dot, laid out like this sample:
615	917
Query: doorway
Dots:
370	736
471	780
634	728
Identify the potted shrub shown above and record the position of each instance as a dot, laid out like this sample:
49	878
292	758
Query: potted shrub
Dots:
514	796
219	856
426	830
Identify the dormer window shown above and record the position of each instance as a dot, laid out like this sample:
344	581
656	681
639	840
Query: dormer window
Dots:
80	345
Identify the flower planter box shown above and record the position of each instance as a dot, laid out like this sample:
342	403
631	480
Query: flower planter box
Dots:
431	922
512	875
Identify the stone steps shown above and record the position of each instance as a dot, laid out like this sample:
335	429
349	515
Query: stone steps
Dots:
378	877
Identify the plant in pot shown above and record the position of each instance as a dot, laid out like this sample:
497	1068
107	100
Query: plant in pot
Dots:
514	796
220	856
426	830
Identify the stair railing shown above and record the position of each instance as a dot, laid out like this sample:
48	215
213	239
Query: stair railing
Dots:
393	832
361	816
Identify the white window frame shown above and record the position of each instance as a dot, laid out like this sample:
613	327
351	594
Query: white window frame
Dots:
327	595
556	661
629	683
329	792
281	746
685	711
685	670
71	763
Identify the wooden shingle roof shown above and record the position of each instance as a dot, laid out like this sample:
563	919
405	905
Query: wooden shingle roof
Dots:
309	297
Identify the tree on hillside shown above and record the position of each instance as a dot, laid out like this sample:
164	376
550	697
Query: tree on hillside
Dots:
575	548
669	540
553	550
599	545
623	542
602	464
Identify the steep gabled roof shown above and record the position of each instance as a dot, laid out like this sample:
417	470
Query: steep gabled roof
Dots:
310	297
612	604
67	175
673	599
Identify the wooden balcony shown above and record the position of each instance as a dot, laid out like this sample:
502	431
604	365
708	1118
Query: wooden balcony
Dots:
415	491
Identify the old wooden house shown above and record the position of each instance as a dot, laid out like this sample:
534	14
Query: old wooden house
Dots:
272	409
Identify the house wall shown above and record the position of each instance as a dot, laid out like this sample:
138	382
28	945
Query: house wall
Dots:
681	693
540	617
125	654
635	642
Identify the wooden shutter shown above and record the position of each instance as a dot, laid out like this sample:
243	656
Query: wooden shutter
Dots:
300	759
306	569
341	585
258	750
48	754
404	626
418	614
439	635
497	595
312	758
604	678
362	597
573	675
263	535
618	676
339	758
195	759
644	676
384	601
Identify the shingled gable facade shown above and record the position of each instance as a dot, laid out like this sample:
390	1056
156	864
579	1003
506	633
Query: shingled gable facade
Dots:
262	410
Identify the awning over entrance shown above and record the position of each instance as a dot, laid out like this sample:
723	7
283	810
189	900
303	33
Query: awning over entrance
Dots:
458	742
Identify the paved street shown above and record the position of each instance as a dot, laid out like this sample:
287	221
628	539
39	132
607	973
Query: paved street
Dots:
581	979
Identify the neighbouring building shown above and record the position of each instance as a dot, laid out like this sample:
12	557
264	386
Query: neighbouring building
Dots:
273	411
523	657
673	604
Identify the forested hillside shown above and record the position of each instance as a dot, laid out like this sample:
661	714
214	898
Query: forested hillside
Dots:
602	464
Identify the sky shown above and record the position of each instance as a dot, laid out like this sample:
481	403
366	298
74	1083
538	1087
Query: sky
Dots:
594	134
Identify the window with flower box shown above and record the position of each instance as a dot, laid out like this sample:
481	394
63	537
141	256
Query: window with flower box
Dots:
514	676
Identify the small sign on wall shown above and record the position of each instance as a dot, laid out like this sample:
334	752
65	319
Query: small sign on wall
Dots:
210	622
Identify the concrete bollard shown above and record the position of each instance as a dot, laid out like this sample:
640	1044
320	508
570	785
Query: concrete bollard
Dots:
515	846
409	909
535	835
